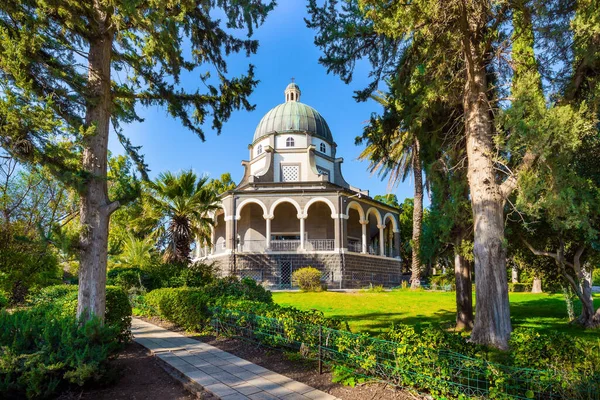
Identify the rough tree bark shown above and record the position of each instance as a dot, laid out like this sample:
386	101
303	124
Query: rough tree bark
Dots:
581	282
464	291
492	314
95	207
415	278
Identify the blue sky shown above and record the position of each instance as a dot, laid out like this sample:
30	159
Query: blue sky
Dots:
286	50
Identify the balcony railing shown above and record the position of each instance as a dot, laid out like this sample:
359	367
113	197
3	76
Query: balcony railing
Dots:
374	250
285	245
355	246
320	244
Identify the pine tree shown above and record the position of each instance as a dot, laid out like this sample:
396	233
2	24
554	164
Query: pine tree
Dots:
469	39
69	69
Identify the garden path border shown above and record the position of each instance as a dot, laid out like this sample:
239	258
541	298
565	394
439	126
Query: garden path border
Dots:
203	367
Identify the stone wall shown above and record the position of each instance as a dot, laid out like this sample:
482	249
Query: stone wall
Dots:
348	270
362	270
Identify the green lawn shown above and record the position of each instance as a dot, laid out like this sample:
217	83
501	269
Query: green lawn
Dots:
375	312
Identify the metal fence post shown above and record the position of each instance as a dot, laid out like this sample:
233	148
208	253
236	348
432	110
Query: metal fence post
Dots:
320	350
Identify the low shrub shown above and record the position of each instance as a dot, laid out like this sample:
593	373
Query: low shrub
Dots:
374	289
444	281
3	300
308	279
186	307
519	287
234	288
130	278
43	351
177	275
427	358
64	299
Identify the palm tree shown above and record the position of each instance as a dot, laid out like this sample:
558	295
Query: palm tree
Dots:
180	206
136	252
396	152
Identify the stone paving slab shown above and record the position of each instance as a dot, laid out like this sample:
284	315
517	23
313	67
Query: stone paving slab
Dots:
218	372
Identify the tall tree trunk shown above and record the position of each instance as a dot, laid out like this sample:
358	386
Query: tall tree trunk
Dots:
492	314
464	291
415	278
95	208
537	285
588	318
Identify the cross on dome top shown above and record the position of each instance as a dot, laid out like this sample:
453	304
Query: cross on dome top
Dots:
292	92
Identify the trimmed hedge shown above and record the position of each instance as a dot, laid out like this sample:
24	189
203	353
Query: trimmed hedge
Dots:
186	307
519	287
234	288
64	299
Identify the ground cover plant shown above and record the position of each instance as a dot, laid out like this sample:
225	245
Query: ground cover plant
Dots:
45	349
375	312
427	358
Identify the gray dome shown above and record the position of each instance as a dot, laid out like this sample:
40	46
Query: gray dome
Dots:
293	116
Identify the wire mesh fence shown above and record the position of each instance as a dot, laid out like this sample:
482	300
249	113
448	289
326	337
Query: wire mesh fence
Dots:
441	373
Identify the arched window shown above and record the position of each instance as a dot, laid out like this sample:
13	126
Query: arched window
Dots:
323	148
289	142
259	149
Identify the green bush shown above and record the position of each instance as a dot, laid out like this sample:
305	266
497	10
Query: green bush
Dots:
43	351
427	358
233	287
308	279
186	307
3	300
519	287
26	263
130	278
64	299
596	277
177	275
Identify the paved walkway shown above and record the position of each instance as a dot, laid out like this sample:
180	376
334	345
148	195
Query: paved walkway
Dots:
220	373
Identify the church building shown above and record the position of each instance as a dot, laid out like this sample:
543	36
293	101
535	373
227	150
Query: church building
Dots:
293	208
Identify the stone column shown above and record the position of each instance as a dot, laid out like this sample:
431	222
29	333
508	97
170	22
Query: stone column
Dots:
381	239
212	240
340	228
229	234
397	243
365	245
302	219
268	219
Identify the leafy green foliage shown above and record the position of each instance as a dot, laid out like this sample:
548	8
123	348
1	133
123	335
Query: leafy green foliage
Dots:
130	278
3	300
186	307
345	377
62	300
26	262
519	287
44	350
177	207
233	288
427	358
308	279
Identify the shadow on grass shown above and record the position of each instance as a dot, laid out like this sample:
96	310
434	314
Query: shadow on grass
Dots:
550	315
376	323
